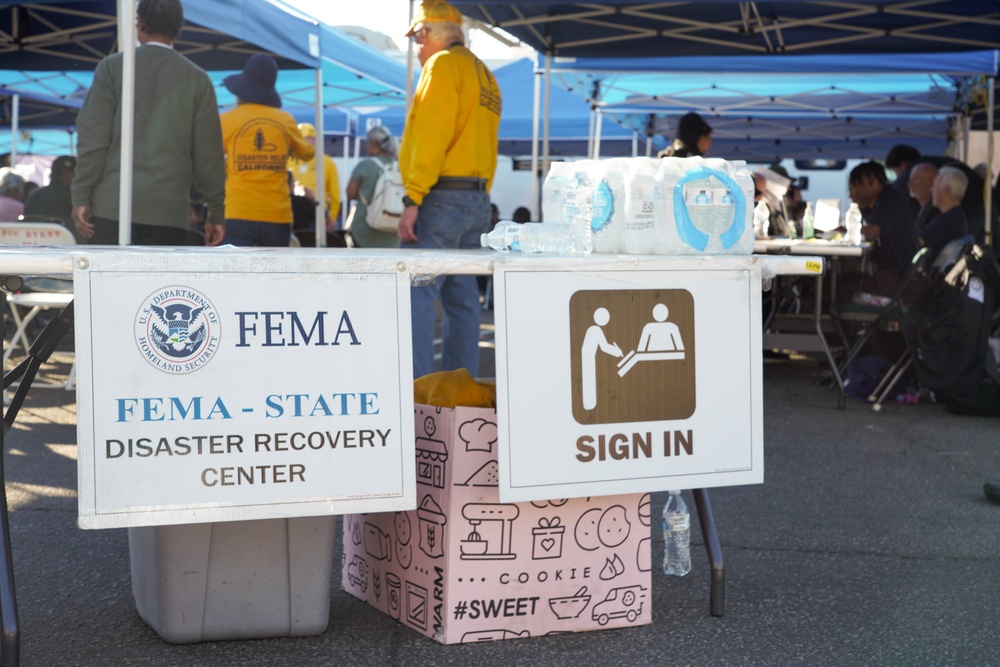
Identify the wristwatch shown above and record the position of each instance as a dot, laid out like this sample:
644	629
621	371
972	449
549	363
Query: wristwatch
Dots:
408	202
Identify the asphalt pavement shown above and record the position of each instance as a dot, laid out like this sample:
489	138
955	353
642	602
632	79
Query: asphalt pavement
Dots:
869	543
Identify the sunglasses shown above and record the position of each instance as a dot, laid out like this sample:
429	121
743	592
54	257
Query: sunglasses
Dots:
419	35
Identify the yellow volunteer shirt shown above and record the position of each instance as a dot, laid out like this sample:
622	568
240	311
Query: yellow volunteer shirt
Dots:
452	126
258	141
305	175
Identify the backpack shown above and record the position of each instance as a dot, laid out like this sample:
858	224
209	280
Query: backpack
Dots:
385	208
949	332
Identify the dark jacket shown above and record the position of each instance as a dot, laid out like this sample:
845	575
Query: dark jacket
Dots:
178	140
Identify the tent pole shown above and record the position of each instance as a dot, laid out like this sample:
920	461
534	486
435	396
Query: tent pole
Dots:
966	134
590	134
15	118
320	163
546	113
536	205
988	195
349	164
597	135
635	144
409	64
649	136
126	44
15	121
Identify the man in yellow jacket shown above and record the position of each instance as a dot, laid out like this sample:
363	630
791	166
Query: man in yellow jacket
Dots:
305	176
447	159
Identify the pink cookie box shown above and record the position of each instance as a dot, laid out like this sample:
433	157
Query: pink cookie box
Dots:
464	567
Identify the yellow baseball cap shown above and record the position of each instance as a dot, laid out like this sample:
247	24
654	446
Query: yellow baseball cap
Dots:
434	11
307	130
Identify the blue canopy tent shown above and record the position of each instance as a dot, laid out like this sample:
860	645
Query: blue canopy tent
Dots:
354	76
36	110
611	28
570	115
765	108
340	127
67	38
219	34
41	141
46	122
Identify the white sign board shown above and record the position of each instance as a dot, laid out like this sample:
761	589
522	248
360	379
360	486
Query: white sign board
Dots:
628	378
230	385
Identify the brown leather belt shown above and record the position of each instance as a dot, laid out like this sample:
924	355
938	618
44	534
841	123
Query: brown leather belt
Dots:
456	183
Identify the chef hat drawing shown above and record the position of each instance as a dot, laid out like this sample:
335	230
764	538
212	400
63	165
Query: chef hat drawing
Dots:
479	435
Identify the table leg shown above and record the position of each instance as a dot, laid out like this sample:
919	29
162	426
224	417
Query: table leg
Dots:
818	318
717	593
10	633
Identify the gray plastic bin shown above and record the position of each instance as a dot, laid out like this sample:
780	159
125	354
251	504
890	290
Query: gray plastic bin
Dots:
234	580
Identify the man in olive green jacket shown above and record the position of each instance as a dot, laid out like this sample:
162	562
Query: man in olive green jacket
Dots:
177	141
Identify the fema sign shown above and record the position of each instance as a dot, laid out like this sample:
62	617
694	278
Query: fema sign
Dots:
632	375
241	385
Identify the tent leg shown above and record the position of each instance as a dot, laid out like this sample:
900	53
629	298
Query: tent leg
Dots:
536	176
320	166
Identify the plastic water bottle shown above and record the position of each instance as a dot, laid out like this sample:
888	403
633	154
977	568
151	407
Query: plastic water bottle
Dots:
577	210
852	220
554	237
761	219
641	214
607	214
554	192
676	536
808	222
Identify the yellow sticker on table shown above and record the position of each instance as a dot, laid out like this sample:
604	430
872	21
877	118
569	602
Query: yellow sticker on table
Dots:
814	267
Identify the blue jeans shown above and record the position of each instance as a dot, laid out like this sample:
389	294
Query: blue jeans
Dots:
448	219
260	234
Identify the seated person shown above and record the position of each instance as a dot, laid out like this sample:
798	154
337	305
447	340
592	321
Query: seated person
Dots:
889	226
920	182
521	215
946	193
53	202
902	159
771	186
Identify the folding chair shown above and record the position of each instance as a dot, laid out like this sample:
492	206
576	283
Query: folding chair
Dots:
875	318
40	294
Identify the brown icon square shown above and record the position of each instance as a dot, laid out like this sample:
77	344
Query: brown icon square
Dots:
632	354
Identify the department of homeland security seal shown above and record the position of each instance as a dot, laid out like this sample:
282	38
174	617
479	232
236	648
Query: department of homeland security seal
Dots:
177	330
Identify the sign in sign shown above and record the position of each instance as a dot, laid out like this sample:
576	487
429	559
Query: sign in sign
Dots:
220	387
626	378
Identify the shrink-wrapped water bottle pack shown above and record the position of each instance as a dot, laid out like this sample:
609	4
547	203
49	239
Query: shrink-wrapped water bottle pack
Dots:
671	206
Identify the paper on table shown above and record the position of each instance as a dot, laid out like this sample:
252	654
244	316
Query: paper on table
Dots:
827	214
